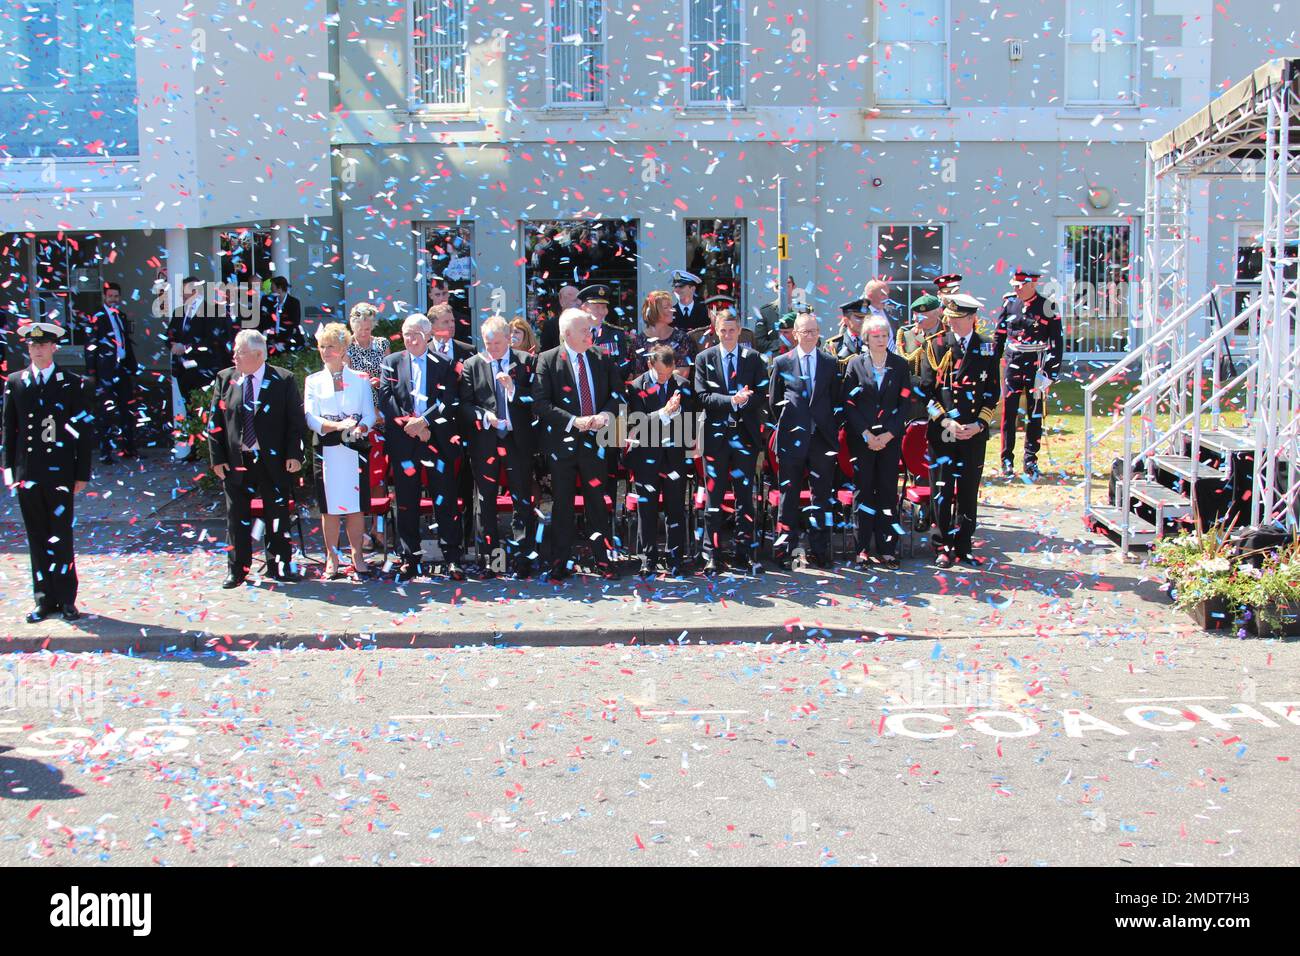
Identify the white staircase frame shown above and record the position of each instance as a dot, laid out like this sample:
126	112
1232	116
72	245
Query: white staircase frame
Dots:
1228	139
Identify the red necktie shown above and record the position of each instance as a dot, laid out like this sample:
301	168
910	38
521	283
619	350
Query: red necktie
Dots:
584	390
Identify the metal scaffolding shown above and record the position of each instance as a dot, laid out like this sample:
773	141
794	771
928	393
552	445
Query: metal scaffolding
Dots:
1256	121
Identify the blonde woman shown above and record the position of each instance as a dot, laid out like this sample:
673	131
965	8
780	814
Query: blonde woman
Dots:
341	411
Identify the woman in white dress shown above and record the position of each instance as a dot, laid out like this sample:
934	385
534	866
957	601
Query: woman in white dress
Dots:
339	408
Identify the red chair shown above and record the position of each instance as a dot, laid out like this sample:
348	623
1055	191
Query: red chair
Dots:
699	499
846	520
916	478
378	504
772	494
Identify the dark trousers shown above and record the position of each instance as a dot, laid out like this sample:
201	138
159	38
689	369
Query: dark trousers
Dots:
443	485
956	469
818	461
875	499
729	464
1019	390
116	413
655	474
47	515
565	474
258	478
490	457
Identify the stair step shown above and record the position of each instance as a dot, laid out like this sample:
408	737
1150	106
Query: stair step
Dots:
1104	518
1227	441
1169	502
1181	466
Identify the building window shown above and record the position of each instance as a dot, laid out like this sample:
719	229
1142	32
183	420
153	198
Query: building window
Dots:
245	256
446	251
576	52
909	257
54	278
715	251
581	252
912	53
439	53
1095	303
67	79
1101	53
715	42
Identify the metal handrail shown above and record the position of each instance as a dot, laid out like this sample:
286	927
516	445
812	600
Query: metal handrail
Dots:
1175	371
1167	330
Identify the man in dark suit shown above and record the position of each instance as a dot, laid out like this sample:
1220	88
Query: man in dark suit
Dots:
961	383
496	401
660	405
548	335
255	439
804	400
730	382
576	398
112	368
689	313
281	318
48	431
419	397
443	345
198	333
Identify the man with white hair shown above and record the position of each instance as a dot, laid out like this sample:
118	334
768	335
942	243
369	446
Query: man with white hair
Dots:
496	401
255	440
419	397
575	397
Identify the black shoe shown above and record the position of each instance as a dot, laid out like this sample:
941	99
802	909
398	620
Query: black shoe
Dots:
70	612
232	581
523	571
454	571
609	571
890	562
1008	470
863	560
484	573
287	577
781	560
944	561
970	559
1031	469
714	565
823	561
560	572
647	568
39	614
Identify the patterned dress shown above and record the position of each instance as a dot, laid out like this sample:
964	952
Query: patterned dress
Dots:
678	339
369	362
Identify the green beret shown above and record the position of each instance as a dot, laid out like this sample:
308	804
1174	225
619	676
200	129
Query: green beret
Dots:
927	303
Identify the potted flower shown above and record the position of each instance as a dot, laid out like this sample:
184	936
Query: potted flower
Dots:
1203	579
1272	596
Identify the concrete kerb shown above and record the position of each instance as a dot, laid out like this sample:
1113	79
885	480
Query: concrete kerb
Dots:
163	641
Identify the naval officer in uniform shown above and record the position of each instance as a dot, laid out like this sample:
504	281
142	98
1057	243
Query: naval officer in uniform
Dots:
48	441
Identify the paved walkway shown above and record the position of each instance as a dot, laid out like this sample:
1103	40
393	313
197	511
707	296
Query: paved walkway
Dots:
152	560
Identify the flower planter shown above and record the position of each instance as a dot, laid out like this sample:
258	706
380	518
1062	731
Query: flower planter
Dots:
1287	626
1213	614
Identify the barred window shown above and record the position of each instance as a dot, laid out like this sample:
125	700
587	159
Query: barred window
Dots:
576	53
439	53
714	50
